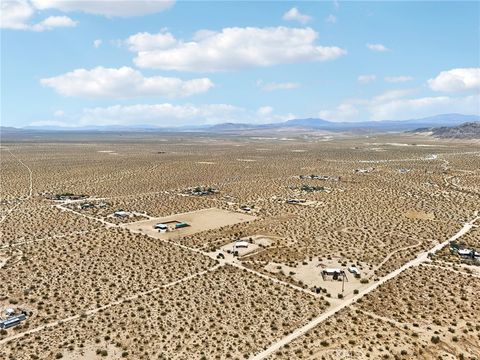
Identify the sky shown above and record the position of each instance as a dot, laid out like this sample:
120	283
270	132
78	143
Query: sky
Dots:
165	63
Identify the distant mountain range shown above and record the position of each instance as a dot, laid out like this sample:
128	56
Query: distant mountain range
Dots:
469	130
380	126
297	125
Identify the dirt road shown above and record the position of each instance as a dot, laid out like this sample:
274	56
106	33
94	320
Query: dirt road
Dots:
30	188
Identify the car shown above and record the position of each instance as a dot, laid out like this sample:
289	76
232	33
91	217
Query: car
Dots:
354	270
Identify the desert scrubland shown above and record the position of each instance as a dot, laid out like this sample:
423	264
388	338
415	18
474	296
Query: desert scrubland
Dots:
99	285
425	313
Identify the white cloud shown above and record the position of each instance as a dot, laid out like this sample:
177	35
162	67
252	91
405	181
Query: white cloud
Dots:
17	14
146	41
53	22
366	79
343	112
165	114
123	82
123	8
235	48
273	86
399	104
398	79
97	43
377	47
161	114
455	80
265	111
331	19
425	106
294	15
393	94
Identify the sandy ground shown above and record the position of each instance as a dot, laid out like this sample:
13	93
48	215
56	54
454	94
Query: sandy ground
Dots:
420	215
199	220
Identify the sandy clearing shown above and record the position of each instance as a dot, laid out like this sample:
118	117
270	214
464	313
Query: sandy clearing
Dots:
199	220
419	215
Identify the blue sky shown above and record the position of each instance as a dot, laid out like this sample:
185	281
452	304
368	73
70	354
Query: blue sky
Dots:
76	63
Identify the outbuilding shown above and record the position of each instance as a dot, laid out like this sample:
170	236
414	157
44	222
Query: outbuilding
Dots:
13	321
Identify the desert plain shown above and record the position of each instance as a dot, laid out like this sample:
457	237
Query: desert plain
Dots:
292	247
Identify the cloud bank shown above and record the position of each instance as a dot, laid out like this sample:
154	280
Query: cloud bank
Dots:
164	115
456	80
230	49
123	82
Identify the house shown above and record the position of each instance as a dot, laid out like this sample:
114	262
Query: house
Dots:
320	177
335	273
464	252
296	201
9	312
13	321
364	171
332	271
160	227
121	213
468	253
241	244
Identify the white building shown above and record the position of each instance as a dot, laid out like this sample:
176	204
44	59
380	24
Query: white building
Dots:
241	244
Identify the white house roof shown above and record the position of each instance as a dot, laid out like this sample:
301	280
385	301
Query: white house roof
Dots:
242	243
331	270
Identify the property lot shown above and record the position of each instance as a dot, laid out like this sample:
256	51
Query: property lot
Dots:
198	221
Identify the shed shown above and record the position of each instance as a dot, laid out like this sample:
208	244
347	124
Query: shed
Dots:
181	225
13	321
